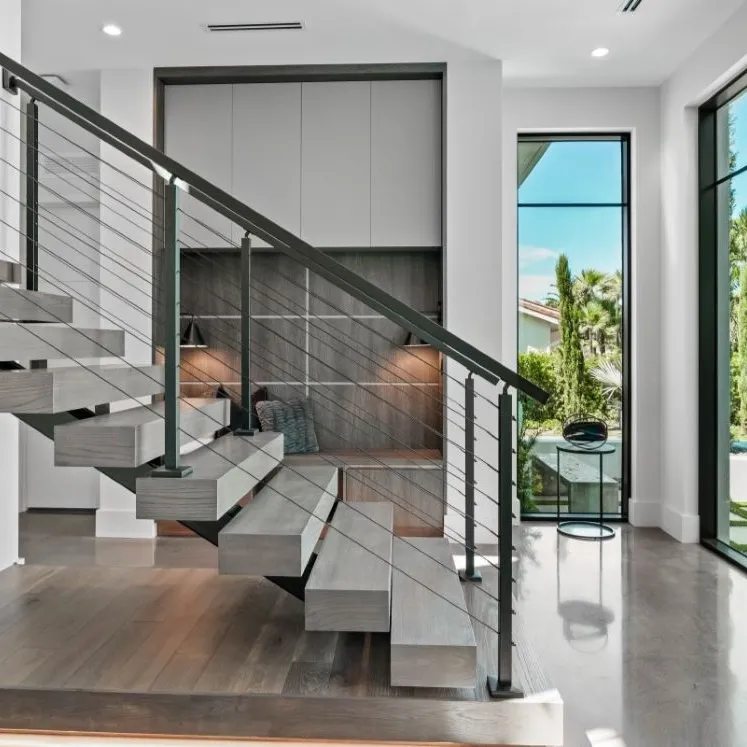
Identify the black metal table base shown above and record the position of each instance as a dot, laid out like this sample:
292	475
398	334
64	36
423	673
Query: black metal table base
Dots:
586	530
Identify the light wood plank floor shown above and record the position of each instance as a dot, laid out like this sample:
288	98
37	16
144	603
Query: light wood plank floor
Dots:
103	624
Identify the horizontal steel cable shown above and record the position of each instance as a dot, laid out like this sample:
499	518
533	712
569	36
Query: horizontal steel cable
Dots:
254	477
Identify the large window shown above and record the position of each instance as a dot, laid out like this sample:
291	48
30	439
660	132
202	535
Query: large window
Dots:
573	225
723	320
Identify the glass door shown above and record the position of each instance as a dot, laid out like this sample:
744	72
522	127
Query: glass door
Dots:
573	235
723	321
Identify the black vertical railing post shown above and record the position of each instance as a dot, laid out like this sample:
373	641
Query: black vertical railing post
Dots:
469	573
172	466
245	426
31	110
500	685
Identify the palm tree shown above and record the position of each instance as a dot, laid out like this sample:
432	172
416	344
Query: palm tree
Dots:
609	374
590	285
594	323
613	303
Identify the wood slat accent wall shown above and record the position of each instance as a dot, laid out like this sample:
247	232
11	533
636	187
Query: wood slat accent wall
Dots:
366	393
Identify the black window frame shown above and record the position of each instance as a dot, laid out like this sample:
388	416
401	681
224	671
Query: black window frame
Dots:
709	183
626	207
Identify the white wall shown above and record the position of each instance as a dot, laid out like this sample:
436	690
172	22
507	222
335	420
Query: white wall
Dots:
126	98
10	44
712	65
472	267
634	110
68	264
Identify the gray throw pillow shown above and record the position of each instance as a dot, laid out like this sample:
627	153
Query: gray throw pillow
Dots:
294	419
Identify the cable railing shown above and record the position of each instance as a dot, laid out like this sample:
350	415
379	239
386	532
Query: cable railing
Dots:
323	334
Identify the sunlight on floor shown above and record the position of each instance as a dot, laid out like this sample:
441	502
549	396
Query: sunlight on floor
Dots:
605	738
481	561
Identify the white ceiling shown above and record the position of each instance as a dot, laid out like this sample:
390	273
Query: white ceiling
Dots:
542	42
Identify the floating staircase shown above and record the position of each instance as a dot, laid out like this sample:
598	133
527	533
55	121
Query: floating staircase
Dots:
350	584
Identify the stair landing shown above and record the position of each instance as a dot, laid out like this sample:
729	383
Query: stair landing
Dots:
200	654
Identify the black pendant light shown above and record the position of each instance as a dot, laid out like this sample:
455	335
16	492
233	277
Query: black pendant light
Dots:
413	341
192	337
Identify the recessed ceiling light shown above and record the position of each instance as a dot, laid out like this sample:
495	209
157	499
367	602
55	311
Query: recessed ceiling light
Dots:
112	30
600	52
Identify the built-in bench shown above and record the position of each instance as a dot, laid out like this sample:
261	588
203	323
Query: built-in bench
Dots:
412	479
580	482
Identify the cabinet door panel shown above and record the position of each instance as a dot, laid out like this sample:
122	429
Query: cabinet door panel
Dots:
198	131
336	164
406	163
267	152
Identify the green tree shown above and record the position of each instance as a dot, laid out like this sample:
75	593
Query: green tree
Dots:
594	326
540	369
590	285
571	367
742	346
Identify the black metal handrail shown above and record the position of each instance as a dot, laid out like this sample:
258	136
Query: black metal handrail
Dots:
483	365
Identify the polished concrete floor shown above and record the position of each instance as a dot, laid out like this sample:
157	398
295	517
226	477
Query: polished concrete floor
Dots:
645	638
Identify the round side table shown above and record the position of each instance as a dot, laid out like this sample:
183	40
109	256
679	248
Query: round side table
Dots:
581	529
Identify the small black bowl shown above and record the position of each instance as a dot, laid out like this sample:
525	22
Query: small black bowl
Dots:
585	433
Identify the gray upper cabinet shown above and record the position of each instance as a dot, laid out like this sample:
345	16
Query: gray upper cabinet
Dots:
406	163
198	133
266	152
336	164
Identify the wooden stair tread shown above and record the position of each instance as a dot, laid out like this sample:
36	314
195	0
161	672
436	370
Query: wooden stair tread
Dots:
54	390
432	639
223	472
49	342
350	585
276	533
129	438
19	304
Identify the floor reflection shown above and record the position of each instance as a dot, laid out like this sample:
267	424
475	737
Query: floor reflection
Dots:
642	636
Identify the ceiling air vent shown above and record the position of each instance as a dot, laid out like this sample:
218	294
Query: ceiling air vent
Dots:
273	26
630	6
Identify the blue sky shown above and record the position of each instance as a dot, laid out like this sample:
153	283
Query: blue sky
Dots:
738	109
587	172
570	172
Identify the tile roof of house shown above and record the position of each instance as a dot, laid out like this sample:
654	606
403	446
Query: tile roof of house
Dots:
540	309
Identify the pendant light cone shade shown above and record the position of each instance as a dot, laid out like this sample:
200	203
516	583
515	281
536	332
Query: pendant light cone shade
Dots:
192	337
413	341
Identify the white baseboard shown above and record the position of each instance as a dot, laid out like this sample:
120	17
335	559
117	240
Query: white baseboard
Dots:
644	513
683	527
122	523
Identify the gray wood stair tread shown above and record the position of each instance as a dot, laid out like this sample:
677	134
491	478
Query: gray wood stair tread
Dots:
144	415
223	472
54	390
50	341
213	461
350	585
10	272
432	639
131	437
19	304
275	534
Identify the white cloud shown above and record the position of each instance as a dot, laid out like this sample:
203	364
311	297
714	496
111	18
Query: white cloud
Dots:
536	287
528	255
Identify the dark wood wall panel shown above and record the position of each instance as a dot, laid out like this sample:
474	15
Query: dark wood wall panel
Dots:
381	417
412	277
367	350
332	359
